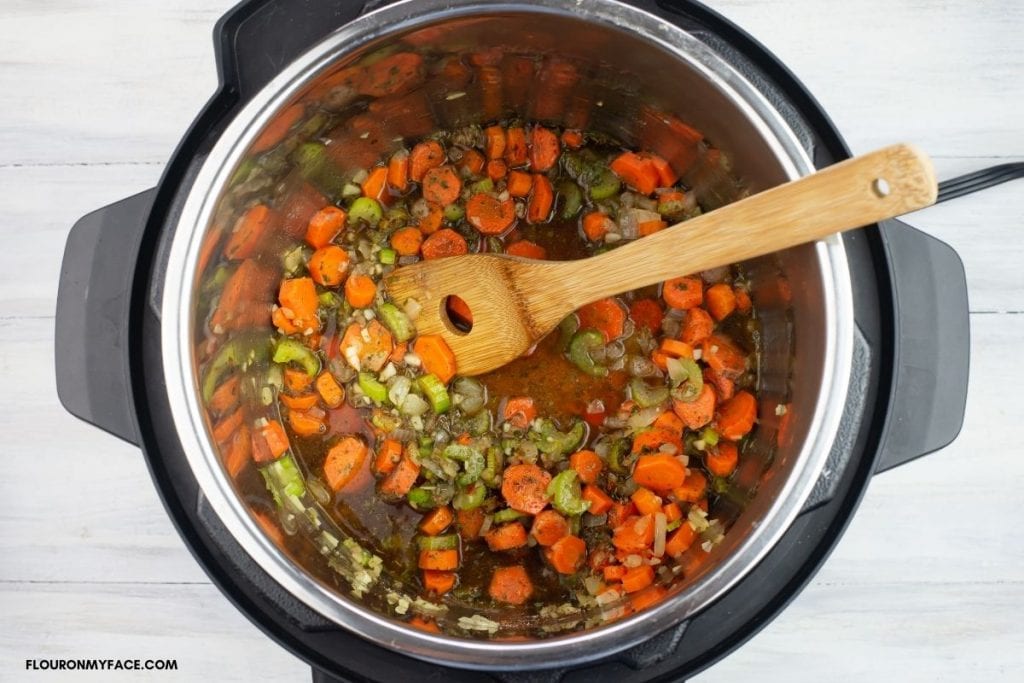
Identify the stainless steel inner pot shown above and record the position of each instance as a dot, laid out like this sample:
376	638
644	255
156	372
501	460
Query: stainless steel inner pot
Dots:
631	74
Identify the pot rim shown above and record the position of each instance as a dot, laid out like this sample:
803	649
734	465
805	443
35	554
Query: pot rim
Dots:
182	389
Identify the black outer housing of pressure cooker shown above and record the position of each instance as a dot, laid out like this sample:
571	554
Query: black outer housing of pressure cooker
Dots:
909	294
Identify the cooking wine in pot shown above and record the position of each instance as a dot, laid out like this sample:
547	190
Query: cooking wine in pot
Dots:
570	483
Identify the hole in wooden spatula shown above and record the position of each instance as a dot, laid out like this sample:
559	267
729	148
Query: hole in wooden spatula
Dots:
458	313
881	187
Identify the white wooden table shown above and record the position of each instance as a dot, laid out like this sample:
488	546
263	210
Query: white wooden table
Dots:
927	584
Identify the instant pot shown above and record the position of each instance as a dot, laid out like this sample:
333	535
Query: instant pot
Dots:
866	339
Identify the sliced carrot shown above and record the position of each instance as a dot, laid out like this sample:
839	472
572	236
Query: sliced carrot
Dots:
301	402
472	163
438	582
666	175
407	241
251	231
596	225
436	521
307	423
680	540
296	380
725	387
613	572
436	355
516	150
544	149
511	585
673	348
441	185
567	554
600	502
672	511
722	460
519	183
470	522
646	501
371	344
494	145
647	313
330	391
588	465
635	534
643	599
723	356
227	426
329	265
273	441
697	326
651	440
548	527
376	182
573	139
398	171
389	452
401	478
225	396
425	156
683	292
324	226
736	416
278	128
490	215
721	301
360	291
542	199
439	560
428	625
496	169
432	221
520	411
606	316
299	299
650	227
743	303
391	75
444	242
669	421
524	488
699	412
506	537
637	171
659	472
343	461
527	249
693	488
620	512
638	578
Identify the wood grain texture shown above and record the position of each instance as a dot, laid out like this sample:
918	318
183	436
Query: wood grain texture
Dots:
515	302
925	585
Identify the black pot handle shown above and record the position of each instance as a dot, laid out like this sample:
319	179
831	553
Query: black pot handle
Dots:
932	336
93	297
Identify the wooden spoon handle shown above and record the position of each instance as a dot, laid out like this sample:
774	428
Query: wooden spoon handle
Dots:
860	191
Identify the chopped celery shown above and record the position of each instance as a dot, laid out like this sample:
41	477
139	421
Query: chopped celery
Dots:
604	184
687	380
566	329
238	352
387	256
316	167
294	260
374	390
243	171
330	300
454	213
436	393
485	185
564	491
442	542
471	458
420	498
291	350
495	463
552	442
646	395
508	515
571	198
366	210
395	319
616	456
470	497
709	436
283	479
582	345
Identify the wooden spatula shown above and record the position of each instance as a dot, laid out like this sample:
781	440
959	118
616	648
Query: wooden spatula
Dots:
516	301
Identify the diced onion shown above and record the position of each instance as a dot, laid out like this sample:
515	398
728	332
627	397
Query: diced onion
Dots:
387	373
592	584
644	417
413	309
414	406
486	526
660	524
632	561
398	389
412	360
